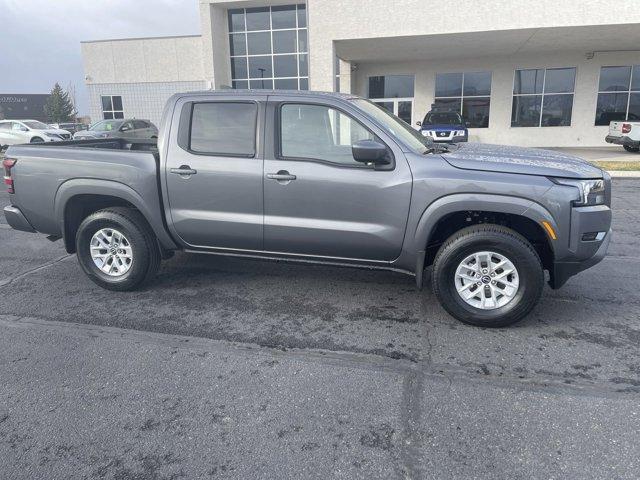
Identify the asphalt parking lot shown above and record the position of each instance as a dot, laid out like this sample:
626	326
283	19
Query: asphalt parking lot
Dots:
229	368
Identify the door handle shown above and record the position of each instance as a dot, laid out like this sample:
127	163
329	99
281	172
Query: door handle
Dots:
281	176
184	170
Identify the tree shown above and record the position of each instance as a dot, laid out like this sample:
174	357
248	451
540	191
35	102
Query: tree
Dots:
59	107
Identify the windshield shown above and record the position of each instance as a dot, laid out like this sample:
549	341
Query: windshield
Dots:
443	118
396	127
106	126
36	125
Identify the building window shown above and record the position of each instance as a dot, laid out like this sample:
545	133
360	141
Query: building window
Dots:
395	93
268	47
618	94
543	97
112	107
466	93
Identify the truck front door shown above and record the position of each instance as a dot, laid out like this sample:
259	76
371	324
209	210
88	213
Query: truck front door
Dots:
214	173
318	200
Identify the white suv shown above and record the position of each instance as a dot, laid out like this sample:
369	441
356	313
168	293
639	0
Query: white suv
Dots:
14	132
626	134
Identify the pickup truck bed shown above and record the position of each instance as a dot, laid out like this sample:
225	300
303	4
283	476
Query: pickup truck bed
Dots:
130	165
626	134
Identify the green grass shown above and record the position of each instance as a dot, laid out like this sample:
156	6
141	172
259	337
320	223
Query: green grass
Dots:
619	166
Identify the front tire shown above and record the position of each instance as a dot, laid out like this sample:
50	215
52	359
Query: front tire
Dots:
487	276
629	148
117	249
37	140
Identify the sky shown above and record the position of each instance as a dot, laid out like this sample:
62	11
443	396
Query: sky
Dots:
40	39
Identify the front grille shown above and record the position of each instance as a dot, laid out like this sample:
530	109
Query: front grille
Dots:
65	136
442	134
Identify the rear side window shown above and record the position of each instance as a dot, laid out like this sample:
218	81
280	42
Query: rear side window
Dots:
224	128
139	124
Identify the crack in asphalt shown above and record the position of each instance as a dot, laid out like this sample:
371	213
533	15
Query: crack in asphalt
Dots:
10	280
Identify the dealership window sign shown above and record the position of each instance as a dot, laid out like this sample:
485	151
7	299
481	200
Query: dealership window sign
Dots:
23	107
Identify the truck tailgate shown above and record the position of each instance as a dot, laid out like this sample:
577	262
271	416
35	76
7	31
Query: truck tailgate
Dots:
615	129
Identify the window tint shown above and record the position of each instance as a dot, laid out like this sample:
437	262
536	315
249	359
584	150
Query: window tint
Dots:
528	81
258	19
467	93
614	79
618	94
391	86
283	17
224	128
320	132
543	97
477	83
5	126
560	80
449	85
139	124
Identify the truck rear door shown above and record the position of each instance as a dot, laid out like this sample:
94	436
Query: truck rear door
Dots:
213	172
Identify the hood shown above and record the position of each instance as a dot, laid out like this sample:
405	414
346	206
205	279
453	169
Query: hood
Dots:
443	126
525	161
56	131
88	134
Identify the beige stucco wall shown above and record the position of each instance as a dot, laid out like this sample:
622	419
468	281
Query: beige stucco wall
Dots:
582	131
165	59
331	20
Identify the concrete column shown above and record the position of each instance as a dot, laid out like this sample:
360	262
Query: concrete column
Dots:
346	84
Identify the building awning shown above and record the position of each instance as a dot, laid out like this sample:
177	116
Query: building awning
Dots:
584	39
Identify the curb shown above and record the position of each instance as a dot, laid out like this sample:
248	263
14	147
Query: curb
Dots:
624	173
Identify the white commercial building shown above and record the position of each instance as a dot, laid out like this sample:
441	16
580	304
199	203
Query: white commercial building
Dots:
536	73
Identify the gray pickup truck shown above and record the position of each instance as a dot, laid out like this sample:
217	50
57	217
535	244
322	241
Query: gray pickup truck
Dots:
321	178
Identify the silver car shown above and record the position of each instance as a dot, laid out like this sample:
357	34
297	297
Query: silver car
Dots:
126	128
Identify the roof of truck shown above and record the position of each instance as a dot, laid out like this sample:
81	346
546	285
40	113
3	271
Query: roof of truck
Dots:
259	92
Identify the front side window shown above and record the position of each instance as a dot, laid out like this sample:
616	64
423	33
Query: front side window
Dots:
224	128
618	94
543	97
320	132
268	47
112	107
36	125
468	94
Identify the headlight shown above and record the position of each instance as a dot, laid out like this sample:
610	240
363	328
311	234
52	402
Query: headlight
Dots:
105	135
52	135
460	133
592	192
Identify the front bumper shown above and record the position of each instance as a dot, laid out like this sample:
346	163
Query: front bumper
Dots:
17	220
589	238
563	271
624	140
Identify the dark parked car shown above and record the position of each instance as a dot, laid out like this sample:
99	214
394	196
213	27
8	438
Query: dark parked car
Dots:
444	125
126	128
324	178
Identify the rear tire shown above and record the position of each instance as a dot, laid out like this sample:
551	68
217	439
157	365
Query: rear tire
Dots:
512	304
123	232
629	148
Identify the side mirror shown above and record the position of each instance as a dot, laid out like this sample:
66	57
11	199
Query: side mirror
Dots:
419	124
370	151
467	124
24	129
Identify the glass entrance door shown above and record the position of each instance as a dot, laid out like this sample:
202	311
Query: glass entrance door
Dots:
400	107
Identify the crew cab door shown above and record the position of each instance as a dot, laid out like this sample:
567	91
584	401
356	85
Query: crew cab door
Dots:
213	172
318	201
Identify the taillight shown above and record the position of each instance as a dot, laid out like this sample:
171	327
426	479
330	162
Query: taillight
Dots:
626	127
8	164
